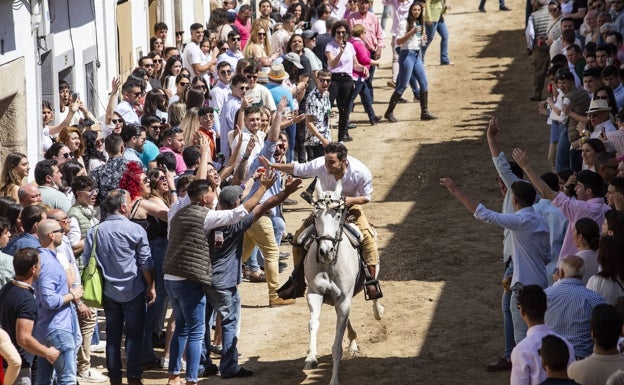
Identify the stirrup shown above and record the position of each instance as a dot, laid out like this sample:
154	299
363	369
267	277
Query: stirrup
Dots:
375	283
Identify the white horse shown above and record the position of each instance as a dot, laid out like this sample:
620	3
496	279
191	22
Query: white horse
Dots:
331	269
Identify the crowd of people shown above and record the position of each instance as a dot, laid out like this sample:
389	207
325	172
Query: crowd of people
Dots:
563	260
177	191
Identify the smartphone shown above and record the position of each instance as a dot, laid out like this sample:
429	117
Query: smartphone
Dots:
75	96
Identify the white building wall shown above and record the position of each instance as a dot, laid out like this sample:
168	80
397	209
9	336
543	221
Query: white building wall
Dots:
91	38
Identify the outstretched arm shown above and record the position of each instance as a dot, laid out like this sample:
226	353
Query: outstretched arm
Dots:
541	186
470	203
492	131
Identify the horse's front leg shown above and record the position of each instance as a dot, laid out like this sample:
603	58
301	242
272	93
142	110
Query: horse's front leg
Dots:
342	317
354	350
315	301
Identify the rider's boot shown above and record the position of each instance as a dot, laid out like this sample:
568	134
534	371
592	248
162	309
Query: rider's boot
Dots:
295	286
373	291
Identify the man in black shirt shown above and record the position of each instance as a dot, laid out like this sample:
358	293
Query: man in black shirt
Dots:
18	313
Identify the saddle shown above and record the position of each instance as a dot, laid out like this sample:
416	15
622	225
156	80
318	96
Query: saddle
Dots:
354	235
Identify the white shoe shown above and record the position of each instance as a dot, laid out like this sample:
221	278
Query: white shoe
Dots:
98	348
92	375
164	363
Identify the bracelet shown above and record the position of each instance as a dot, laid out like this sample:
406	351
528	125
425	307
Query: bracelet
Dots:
79	303
173	191
245	157
73	296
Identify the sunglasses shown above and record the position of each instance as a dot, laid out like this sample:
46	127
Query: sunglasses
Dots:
179	33
145	180
325	81
93	192
184	84
159	61
148	65
137	94
225	72
116	121
341	32
155	127
252	77
261	34
236	39
243	88
162	178
68	155
99	142
158	43
200	87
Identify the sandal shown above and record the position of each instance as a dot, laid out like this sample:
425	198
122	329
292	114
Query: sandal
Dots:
257	276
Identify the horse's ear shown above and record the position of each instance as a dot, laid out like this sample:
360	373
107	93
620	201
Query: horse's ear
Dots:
318	190
338	189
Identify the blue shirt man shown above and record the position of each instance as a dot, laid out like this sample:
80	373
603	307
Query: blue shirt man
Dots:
123	253
570	306
57	324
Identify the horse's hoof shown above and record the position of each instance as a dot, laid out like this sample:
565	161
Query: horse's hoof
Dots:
378	310
309	365
353	353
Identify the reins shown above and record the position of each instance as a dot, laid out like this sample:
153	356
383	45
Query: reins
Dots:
335	240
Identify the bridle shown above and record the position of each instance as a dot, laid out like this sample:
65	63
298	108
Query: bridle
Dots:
335	204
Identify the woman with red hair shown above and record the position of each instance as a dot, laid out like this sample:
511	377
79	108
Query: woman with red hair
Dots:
137	184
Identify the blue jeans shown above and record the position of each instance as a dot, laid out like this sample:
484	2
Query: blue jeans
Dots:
430	30
128	316
155	314
291	132
508	328
562	159
65	364
410	64
385	14
227	303
365	95
519	327
189	309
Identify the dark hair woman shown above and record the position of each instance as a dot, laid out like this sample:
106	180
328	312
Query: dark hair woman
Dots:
611	259
411	40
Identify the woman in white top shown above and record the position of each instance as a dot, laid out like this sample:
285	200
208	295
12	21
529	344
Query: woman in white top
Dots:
411	39
609	280
587	239
172	69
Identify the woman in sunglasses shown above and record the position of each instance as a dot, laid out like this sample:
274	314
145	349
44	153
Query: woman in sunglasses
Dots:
258	47
94	155
158	63
113	122
59	152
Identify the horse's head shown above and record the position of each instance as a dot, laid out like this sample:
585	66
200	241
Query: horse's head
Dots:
329	207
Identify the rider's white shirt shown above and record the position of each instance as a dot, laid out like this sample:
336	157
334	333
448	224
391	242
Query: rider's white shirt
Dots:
357	181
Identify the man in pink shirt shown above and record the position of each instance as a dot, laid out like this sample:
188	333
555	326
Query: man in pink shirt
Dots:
373	38
173	141
243	23
589	202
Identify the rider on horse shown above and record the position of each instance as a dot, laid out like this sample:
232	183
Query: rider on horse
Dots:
357	187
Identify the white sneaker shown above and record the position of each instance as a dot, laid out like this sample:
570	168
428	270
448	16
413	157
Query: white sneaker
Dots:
92	375
98	348
164	363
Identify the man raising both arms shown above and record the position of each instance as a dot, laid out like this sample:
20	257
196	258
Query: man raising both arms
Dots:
357	187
